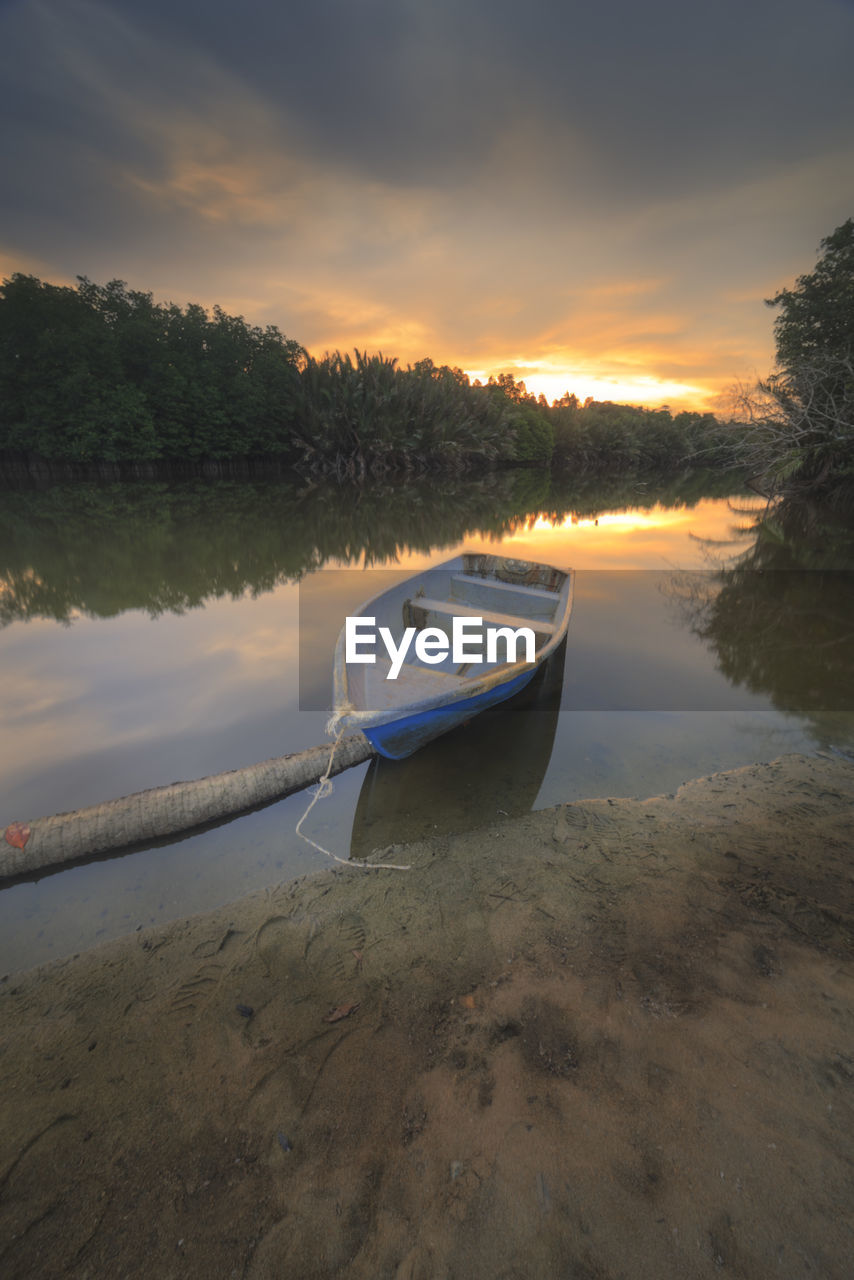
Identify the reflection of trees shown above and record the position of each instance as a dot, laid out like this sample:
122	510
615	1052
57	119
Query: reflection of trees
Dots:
161	547
781	619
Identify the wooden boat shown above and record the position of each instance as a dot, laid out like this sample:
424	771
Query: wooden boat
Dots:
401	706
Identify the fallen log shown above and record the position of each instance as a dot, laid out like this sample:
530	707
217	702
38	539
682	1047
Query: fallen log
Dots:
165	811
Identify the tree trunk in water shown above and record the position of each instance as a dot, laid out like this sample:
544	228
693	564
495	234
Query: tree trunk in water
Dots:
164	811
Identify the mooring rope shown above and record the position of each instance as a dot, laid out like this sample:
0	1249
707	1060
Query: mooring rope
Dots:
324	788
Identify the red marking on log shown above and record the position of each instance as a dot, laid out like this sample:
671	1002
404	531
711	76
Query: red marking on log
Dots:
17	834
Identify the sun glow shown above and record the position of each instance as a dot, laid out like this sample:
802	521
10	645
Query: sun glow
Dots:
645	390
706	535
654	518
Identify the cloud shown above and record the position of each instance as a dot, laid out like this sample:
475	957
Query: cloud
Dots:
622	98
612	187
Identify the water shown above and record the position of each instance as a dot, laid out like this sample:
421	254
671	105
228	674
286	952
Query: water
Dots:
152	633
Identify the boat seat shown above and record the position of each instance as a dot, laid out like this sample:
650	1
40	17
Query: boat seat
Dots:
423	612
507	597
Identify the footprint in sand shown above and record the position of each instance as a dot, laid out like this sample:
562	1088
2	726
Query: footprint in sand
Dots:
336	950
198	990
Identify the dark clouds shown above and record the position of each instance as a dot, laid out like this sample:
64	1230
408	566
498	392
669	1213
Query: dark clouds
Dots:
460	179
642	96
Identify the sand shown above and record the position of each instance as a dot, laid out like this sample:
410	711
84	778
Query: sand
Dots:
611	1039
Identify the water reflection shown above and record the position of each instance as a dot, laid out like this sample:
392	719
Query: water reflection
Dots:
491	767
100	550
780	620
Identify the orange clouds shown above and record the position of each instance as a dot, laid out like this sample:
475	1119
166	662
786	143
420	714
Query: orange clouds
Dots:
493	201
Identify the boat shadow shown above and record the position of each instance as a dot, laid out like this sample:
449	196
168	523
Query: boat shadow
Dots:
489	768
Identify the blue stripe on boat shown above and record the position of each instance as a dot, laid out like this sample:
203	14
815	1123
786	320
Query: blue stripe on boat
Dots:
399	738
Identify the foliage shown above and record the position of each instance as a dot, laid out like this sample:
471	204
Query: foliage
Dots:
365	415
600	436
816	320
535	436
532	431
799	430
104	374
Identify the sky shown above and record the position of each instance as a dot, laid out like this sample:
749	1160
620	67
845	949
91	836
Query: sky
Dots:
593	197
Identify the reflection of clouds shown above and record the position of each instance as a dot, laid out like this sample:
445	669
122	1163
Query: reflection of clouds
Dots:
111	683
646	538
33	696
271	638
264	645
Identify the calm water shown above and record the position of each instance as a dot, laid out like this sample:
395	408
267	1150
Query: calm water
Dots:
152	633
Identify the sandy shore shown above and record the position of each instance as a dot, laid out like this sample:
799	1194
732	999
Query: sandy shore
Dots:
612	1039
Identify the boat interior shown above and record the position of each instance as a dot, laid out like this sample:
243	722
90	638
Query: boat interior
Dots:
502	596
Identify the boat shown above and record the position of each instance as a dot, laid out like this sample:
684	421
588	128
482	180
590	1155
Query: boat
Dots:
398	674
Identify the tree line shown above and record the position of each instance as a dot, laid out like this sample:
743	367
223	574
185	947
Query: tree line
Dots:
598	435
104	374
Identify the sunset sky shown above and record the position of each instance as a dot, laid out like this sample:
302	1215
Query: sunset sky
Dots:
592	197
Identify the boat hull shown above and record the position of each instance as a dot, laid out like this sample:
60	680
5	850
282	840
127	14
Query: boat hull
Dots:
401	737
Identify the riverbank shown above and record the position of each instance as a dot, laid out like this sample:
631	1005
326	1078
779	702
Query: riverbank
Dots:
614	1038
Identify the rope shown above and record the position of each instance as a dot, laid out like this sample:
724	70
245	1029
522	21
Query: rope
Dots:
333	724
324	788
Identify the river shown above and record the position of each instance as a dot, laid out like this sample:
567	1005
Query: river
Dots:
160	631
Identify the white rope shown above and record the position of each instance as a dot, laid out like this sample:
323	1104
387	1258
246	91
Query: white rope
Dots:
333	724
324	788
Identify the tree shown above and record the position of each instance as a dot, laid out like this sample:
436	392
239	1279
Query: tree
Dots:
801	422
104	373
816	320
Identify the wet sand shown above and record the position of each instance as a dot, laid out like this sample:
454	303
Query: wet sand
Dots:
611	1039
